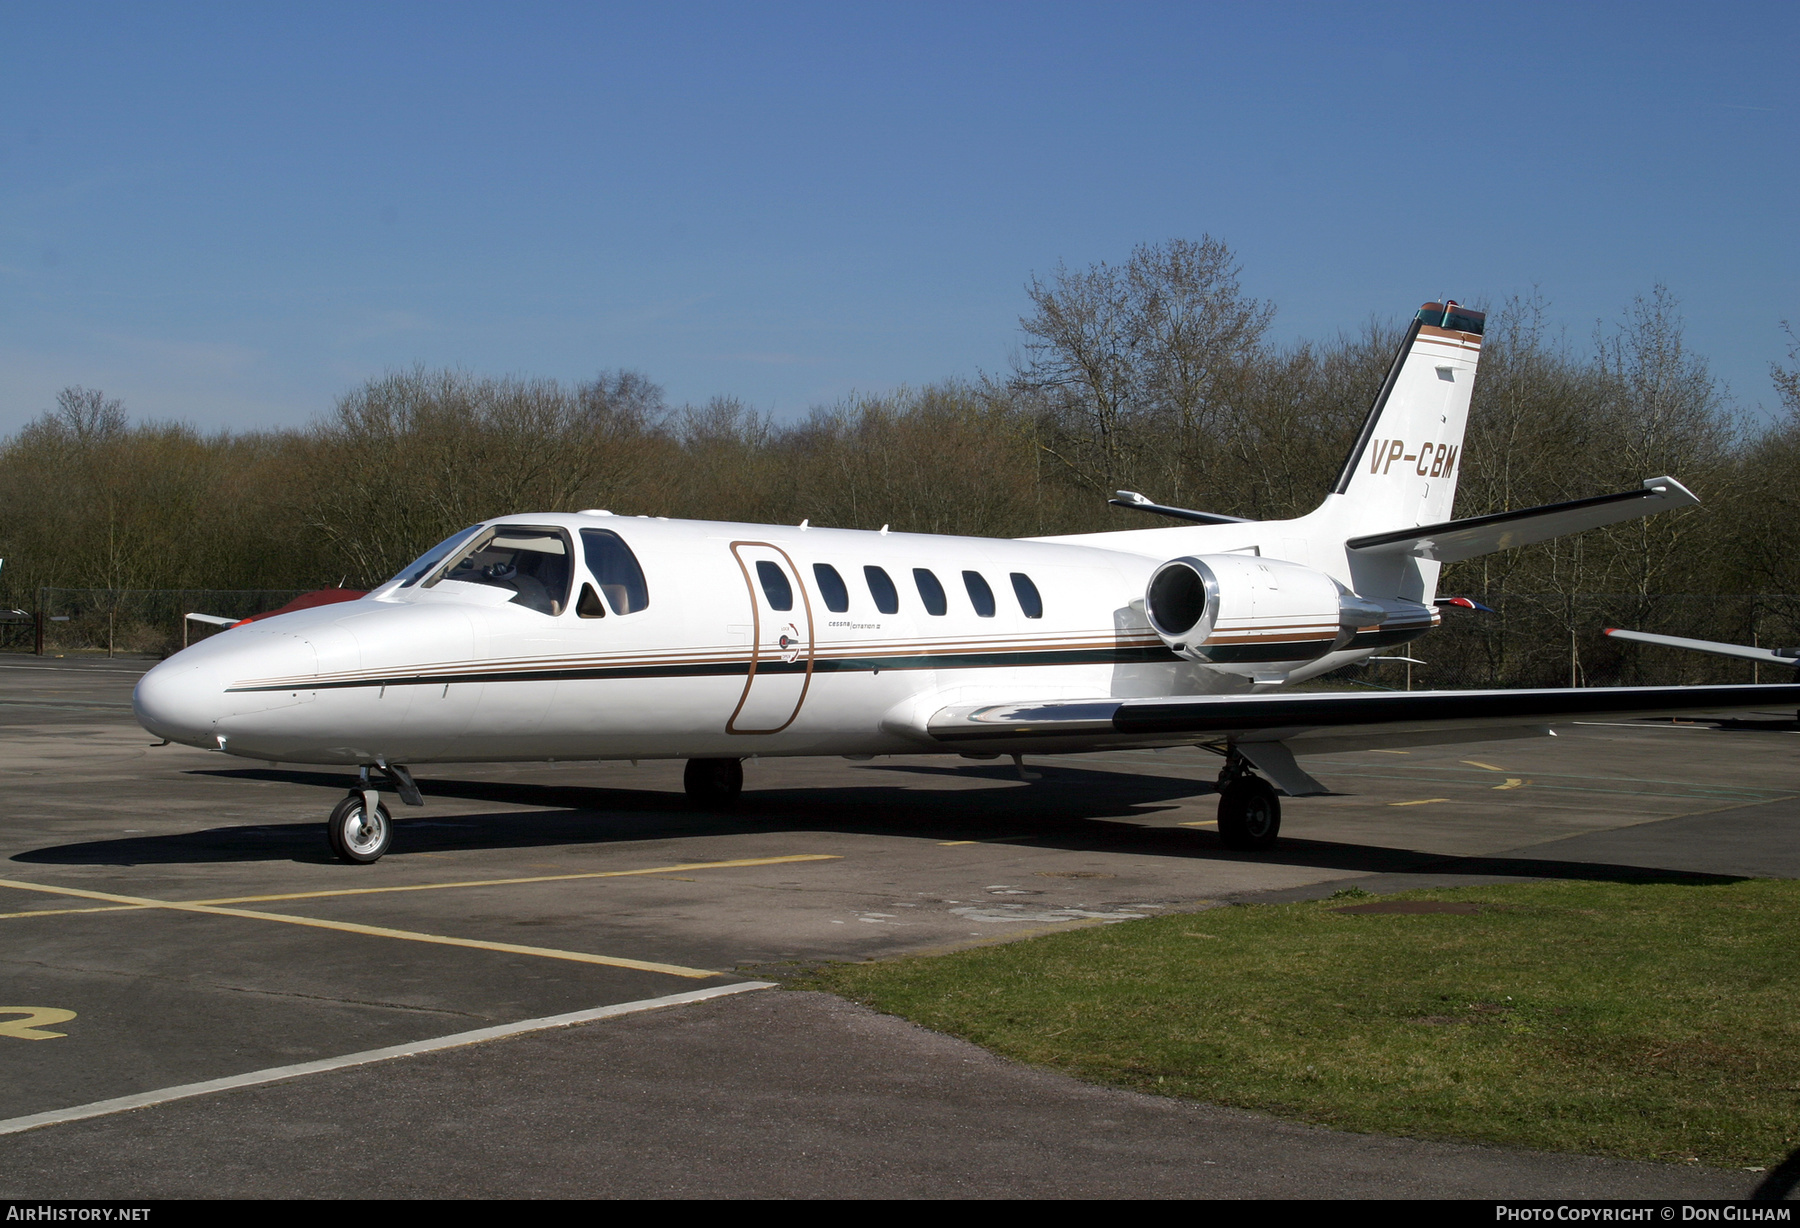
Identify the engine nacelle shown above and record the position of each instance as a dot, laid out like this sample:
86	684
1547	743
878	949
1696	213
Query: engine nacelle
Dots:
1251	615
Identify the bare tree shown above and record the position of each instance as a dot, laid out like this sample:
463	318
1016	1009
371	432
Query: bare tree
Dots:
1126	359
87	416
1787	379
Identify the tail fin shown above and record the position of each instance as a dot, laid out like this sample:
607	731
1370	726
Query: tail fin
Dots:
1402	470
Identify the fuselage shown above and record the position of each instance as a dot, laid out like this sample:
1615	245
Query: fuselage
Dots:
734	640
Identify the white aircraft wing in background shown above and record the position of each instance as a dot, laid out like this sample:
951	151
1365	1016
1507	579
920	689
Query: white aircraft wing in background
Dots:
1789	657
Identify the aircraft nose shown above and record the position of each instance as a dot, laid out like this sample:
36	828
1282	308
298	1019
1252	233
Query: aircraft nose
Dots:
186	697
179	700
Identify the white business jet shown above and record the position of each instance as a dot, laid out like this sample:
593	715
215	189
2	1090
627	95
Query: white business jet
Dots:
591	636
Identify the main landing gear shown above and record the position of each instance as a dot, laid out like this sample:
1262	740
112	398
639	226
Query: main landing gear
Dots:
360	828
714	782
1249	810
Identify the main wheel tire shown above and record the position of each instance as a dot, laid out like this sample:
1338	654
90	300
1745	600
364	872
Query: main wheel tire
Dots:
357	836
1249	814
714	782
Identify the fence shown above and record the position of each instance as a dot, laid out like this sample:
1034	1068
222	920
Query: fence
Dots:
150	621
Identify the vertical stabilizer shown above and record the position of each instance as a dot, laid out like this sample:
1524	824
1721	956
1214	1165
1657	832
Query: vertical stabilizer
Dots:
1402	470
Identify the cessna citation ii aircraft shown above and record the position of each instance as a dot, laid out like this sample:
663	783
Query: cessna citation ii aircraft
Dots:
591	636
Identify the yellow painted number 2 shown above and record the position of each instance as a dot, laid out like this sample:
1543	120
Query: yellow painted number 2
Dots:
37	1018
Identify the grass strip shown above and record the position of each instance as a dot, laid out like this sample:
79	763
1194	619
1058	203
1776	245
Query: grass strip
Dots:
1647	1021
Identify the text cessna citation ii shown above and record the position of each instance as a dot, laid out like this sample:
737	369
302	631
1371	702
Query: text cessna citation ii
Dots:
590	636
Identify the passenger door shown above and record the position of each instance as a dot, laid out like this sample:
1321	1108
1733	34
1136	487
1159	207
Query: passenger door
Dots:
781	641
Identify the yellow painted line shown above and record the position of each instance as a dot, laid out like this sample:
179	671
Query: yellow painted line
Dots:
1393	752
492	882
1423	801
950	844
376	931
1476	763
67	912
1512	782
1200	823
540	878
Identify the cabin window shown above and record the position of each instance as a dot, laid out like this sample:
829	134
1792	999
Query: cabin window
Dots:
931	592
532	564
775	585
589	604
1027	593
980	595
615	569
882	590
832	587
416	570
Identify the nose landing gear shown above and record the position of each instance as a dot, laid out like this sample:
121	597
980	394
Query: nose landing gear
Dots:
1249	810
360	828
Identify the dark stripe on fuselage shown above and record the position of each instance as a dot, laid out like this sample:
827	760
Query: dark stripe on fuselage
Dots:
726	669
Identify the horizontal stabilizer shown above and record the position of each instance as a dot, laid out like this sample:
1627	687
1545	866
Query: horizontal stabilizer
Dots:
1300	718
1455	540
1767	656
1137	502
215	619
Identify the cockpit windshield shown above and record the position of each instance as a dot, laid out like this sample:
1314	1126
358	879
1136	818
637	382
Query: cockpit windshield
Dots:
531	563
417	570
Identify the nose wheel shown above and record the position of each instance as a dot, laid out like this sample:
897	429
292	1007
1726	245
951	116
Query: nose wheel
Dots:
360	828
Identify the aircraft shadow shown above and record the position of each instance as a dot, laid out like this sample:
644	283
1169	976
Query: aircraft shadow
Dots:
1075	816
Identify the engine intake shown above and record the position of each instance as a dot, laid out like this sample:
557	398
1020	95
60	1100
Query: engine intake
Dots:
1253	615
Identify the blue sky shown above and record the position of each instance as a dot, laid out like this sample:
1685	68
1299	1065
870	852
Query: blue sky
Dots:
231	214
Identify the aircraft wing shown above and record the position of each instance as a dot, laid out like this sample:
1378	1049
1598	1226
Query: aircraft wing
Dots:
1455	540
1270	729
1767	656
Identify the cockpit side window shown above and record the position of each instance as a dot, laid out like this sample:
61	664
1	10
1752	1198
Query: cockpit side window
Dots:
531	563
615	570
